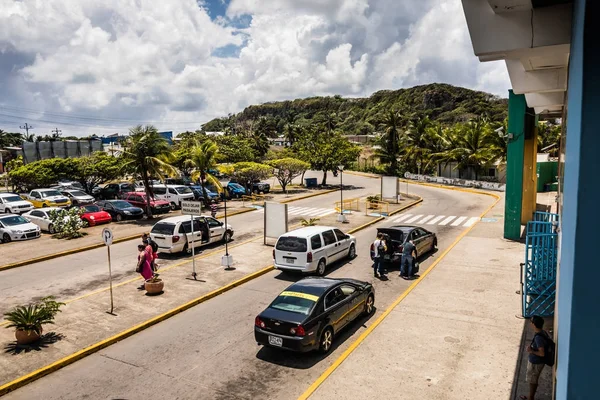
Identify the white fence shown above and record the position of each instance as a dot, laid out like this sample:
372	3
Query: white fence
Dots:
501	187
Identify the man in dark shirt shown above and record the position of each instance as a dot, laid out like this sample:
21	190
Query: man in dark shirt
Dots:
409	254
536	350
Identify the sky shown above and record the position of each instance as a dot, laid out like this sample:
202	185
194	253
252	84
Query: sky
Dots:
88	66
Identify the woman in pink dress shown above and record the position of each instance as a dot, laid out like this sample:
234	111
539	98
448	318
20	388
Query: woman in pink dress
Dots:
143	265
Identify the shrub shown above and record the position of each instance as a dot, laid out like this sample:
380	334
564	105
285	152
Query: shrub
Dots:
67	223
32	316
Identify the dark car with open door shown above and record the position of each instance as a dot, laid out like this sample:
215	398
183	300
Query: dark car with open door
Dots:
311	312
395	237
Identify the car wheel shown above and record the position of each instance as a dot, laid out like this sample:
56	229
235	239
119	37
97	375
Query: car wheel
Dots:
326	340
51	229
173	206
321	267
119	218
187	249
6	238
44	205
352	252
370	305
227	237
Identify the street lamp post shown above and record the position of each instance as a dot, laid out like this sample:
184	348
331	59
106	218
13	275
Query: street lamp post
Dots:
341	217
226	260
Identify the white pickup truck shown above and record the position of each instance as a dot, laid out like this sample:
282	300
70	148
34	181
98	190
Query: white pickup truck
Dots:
11	203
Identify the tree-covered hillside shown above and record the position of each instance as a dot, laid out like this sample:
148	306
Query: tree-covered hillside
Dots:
444	103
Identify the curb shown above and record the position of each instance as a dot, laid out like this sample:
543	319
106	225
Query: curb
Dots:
447	187
55	366
131	237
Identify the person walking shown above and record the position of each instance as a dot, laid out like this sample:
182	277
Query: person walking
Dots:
152	250
213	209
143	264
379	248
537	352
409	255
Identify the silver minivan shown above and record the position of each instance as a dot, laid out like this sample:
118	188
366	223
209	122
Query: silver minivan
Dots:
179	234
174	194
312	249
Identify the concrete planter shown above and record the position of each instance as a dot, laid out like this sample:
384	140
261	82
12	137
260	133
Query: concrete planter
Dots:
154	286
26	337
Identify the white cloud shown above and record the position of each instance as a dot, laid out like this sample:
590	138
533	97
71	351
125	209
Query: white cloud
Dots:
154	61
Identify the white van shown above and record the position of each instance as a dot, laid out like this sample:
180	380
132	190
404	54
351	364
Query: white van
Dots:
174	194
175	234
312	249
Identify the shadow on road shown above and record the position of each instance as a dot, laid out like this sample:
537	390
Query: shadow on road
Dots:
291	276
289	359
45	340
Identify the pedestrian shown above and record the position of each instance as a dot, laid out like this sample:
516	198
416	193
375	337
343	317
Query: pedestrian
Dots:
152	249
143	264
537	353
213	209
409	256
378	249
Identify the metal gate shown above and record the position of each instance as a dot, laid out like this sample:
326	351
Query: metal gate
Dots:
538	273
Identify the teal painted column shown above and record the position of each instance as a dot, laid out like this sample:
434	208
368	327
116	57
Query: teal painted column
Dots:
517	108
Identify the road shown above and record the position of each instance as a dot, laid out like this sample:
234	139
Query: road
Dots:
77	274
208	352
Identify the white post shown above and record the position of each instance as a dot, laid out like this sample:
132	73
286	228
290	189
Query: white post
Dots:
193	250
110	281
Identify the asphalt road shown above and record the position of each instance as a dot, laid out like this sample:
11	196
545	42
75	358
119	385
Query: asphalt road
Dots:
208	352
77	274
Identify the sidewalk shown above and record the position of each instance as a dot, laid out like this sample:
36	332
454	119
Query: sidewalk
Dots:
457	335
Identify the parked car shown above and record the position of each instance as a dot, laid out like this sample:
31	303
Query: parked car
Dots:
41	198
175	234
310	313
41	217
235	190
120	209
78	197
183	181
199	194
93	215
312	249
12	203
65	185
16	227
260	187
115	190
138	199
173	194
424	240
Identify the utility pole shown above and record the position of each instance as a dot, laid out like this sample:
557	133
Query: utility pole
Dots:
56	132
27	127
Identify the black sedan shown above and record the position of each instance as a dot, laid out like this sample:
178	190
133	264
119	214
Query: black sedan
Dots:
395	236
308	314
120	209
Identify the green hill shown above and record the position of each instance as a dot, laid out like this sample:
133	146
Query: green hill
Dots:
444	103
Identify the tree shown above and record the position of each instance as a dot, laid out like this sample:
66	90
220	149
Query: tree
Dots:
326	151
204	158
259	144
8	139
147	155
43	173
249	172
389	142
99	167
417	147
286	169
234	149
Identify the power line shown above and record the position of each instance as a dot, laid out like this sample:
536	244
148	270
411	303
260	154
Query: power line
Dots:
27	127
56	132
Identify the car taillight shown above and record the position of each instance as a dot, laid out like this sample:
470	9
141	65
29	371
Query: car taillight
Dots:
309	257
400	248
259	322
175	239
273	254
298	331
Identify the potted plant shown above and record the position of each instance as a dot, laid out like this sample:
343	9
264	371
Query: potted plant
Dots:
28	320
309	222
154	285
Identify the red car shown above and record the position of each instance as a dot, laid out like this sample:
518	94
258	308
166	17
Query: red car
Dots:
138	199
93	215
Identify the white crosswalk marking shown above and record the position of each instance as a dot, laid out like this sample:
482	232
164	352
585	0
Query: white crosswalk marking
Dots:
471	221
445	222
427	218
458	221
413	219
305	211
402	217
436	220
297	210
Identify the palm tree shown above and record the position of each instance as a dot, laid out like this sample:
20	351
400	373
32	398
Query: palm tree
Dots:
8	139
390	142
417	146
147	155
204	157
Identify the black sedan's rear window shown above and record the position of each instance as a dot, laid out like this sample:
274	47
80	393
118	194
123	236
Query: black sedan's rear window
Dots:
292	244
162	228
296	302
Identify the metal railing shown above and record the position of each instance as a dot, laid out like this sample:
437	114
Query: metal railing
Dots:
377	206
347	205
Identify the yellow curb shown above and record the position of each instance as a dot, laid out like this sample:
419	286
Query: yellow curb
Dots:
315	385
131	237
126	333
24	380
365	174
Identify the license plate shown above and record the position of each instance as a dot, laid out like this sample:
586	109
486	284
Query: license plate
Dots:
275	341
288	260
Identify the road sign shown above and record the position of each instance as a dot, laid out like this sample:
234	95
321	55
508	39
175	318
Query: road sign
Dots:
191	207
107	236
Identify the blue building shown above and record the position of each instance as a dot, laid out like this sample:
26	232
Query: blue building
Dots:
549	48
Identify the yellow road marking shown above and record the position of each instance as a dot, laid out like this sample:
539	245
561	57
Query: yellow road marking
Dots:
315	385
306	296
